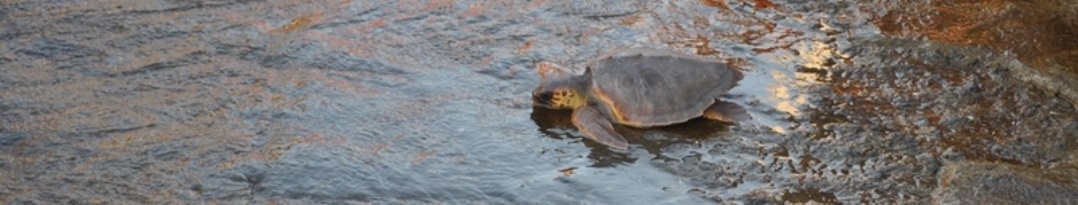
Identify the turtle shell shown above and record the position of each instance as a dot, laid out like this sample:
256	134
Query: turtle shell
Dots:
643	87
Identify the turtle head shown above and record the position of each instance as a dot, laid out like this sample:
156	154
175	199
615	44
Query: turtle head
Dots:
556	89
563	98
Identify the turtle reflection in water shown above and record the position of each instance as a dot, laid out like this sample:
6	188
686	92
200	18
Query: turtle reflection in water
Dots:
638	88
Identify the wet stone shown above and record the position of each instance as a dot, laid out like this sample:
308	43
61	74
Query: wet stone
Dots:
993	183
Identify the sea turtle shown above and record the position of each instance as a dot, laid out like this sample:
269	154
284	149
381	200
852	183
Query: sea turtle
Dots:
639	88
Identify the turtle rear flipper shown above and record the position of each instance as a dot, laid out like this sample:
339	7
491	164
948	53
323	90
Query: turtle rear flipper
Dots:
726	112
598	128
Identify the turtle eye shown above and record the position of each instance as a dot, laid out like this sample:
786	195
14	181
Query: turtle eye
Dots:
547	95
544	97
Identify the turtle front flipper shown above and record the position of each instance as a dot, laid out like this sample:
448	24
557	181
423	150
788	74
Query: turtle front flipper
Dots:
598	128
726	112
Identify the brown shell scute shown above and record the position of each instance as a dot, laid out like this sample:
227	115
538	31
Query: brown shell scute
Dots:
653	88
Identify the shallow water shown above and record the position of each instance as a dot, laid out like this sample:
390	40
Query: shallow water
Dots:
428	101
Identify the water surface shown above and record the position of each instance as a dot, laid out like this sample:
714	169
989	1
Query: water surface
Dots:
428	101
